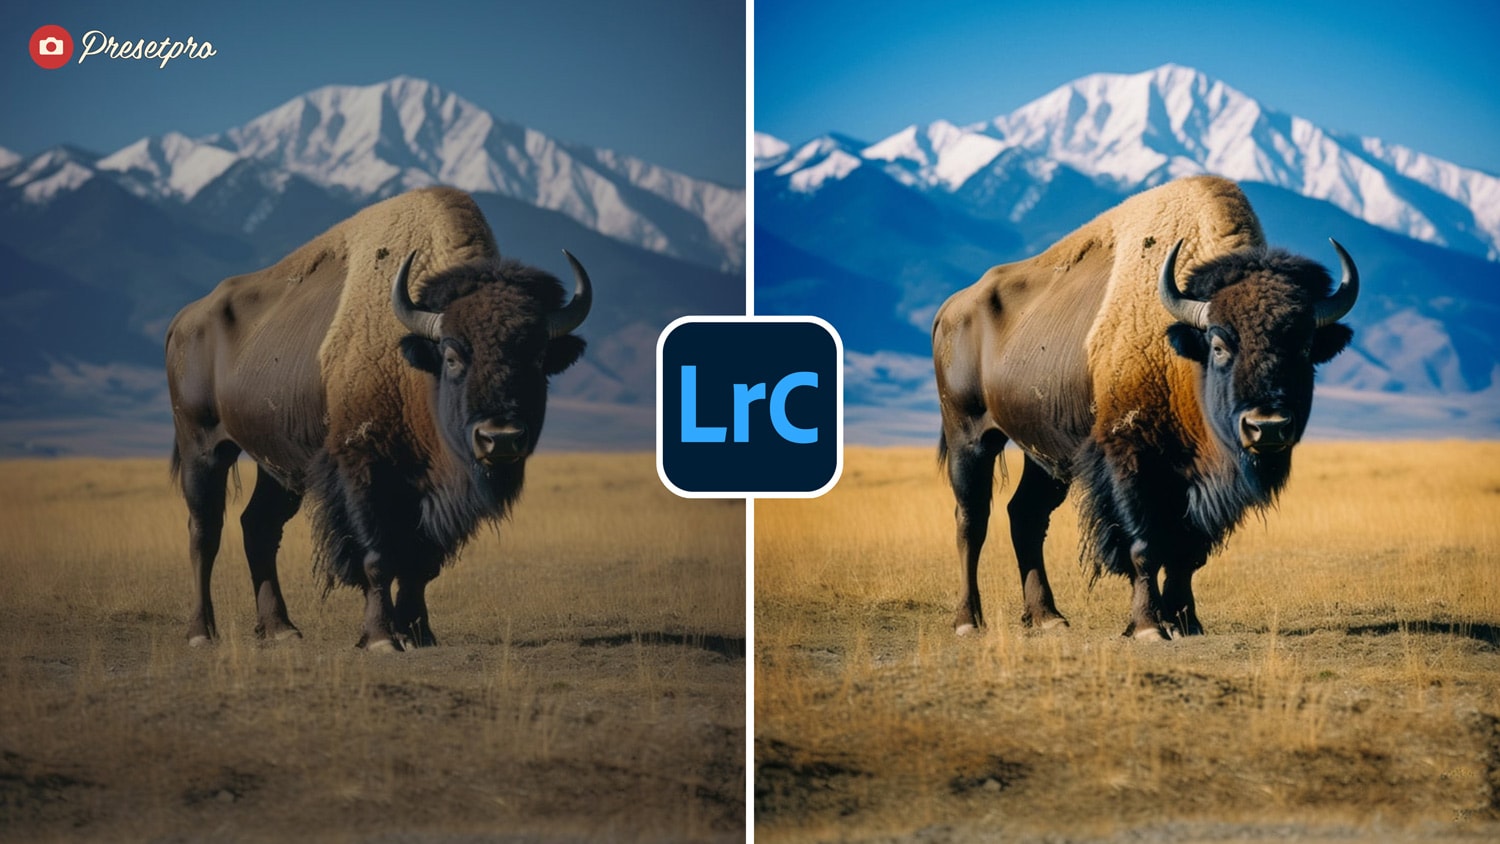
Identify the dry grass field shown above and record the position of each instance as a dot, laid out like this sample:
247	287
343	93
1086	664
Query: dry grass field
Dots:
1348	687
589	685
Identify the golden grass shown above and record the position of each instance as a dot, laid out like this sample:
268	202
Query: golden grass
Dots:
590	680
1350	678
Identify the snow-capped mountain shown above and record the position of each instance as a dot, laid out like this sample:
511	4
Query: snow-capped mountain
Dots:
768	148
373	141
169	166
43	176
1138	130
940	155
903	222
807	167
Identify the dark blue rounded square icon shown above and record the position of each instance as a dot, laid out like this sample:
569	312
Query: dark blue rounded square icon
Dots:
749	407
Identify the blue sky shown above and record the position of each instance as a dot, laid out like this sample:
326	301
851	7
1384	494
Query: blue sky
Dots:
1426	75
663	80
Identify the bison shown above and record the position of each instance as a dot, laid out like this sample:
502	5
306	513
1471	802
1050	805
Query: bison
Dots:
1173	408
394	372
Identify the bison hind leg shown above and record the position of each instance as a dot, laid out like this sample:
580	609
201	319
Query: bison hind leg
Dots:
204	473
971	473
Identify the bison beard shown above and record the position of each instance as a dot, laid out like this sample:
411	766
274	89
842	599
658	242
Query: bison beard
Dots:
1174	410
424	531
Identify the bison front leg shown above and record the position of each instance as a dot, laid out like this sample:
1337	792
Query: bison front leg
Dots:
1178	606
411	611
379	634
1147	620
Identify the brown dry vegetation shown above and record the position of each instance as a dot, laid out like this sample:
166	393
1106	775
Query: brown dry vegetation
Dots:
589	684
1348	687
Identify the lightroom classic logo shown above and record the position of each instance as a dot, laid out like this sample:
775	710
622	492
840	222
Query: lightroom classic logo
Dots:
749	407
52	47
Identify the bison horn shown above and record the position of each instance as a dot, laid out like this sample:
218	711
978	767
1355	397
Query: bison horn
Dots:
571	316
1333	308
417	321
1194	312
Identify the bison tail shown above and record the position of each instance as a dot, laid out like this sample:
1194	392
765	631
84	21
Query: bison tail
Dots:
942	455
176	469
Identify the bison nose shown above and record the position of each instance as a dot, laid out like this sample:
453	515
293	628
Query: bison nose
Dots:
497	442
1264	433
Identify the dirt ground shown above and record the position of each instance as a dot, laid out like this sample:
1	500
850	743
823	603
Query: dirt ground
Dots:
588	685
1348	687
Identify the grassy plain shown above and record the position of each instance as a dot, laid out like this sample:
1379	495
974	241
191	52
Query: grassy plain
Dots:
1348	687
589	684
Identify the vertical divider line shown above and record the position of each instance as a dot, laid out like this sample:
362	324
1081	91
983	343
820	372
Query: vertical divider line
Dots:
749	500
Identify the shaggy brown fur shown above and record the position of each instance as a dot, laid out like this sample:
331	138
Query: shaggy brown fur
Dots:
359	357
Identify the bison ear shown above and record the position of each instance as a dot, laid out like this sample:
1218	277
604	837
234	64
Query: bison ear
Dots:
421	353
1188	341
1329	341
562	353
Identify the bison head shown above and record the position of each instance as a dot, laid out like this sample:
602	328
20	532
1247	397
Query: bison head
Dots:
1258	322
497	334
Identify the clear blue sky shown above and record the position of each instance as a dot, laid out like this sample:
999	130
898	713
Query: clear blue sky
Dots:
1424	74
663	80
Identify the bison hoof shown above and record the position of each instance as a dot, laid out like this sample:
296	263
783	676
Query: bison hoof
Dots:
1153	634
279	632
384	646
199	641
965	630
1043	621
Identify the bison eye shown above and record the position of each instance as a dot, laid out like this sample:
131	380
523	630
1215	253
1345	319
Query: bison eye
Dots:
453	363
1221	352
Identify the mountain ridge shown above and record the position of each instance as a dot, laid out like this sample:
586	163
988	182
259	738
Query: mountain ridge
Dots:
1141	129
369	142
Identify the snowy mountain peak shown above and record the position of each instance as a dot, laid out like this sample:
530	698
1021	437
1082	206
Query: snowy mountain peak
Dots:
769	150
939	154
818	160
44	175
169	165
364	139
8	157
1144	128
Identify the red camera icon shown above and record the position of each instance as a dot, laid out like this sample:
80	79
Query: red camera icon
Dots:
51	47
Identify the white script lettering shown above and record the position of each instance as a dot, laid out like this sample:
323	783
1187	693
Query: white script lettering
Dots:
167	49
